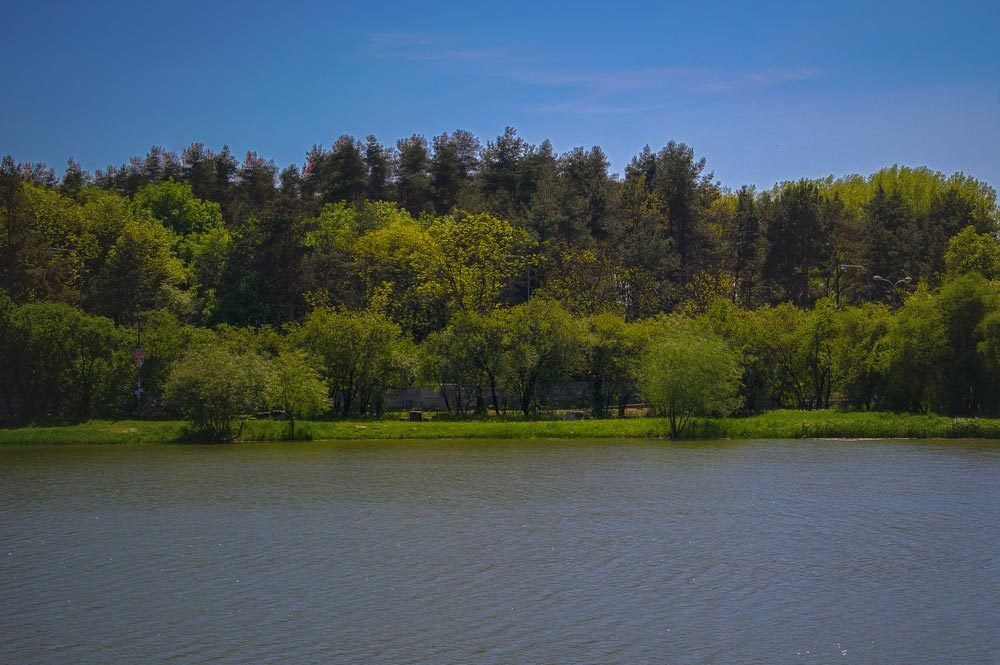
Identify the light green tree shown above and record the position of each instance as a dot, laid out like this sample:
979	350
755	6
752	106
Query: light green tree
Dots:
217	390
969	251
42	245
911	356
856	335
989	349
56	360
474	258
391	262
689	371
469	355
296	388
176	207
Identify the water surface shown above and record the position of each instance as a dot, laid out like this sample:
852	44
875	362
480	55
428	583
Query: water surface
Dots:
498	552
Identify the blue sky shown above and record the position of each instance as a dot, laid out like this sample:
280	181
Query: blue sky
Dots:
765	91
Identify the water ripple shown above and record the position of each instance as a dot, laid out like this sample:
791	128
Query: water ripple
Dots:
502	552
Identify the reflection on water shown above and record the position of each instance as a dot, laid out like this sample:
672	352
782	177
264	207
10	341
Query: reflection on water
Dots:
770	551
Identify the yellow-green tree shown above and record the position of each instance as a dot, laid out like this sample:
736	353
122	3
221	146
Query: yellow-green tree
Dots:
296	387
474	259
689	371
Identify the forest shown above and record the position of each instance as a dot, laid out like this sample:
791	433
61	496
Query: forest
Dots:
497	270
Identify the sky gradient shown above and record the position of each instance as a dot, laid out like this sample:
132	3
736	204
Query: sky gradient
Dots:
764	91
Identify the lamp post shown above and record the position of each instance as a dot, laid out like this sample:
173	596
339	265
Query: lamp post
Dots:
893	285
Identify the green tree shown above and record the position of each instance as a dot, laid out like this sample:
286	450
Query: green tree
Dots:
890	235
137	267
912	355
969	251
797	241
413	183
989	349
464	360
165	339
379	166
586	191
541	346
744	244
474	258
392	263
611	352
455	160
643	251
964	304
687	190
361	355
60	362
688	371
785	352
217	389
346	173
296	388
501	173
584	281
176	207
857	334
42	240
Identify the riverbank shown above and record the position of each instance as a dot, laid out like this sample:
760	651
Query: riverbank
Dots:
771	425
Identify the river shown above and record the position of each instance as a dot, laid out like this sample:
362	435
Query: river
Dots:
502	552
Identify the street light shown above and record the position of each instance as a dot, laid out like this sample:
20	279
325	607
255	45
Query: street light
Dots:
893	285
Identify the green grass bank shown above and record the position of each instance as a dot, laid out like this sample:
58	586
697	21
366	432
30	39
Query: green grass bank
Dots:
772	425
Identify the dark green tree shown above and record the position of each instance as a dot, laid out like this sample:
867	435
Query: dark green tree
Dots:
456	157
413	185
379	162
797	241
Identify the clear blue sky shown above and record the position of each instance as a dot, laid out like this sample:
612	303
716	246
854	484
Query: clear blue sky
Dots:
766	91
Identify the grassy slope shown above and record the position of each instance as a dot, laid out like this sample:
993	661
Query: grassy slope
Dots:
776	424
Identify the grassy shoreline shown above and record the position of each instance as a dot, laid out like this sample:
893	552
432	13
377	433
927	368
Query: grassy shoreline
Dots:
772	425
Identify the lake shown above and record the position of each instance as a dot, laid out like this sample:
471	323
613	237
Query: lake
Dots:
502	552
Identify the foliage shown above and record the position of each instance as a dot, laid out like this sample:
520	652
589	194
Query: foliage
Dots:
688	371
450	243
176	207
58	362
474	258
611	352
361	355
969	251
296	388
467	355
541	345
217	389
856	335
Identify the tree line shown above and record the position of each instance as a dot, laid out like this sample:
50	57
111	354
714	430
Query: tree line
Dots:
454	261
939	351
